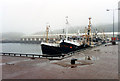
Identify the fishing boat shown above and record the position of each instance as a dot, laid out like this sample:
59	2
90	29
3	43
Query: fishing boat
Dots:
68	46
64	46
50	48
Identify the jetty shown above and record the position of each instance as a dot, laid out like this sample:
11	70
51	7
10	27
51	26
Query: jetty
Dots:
103	65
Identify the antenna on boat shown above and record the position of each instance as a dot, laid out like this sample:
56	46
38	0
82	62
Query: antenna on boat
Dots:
63	31
103	35
66	27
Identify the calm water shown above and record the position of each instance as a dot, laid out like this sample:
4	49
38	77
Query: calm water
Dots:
20	48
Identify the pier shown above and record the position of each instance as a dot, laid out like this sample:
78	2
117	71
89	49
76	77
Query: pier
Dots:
103	66
56	37
50	57
33	55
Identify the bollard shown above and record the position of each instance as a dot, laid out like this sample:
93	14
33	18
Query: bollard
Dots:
89	58
113	43
73	61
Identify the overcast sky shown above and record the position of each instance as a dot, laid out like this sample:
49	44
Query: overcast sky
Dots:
30	16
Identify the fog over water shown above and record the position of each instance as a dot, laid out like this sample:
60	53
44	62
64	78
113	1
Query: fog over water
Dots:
30	16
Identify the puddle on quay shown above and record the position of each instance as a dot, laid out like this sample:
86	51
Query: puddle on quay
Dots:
80	62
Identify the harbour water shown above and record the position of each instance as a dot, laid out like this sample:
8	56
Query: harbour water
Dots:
21	48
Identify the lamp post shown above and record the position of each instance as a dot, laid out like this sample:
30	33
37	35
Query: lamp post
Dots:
113	40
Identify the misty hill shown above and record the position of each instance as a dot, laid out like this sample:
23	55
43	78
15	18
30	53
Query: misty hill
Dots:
12	36
100	28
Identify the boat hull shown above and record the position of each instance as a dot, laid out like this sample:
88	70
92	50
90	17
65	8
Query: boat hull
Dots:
68	47
64	48
51	50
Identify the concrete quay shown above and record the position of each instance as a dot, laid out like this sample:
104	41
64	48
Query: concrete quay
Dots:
103	65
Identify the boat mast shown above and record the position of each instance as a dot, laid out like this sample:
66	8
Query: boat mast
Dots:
89	31
66	27
47	30
86	36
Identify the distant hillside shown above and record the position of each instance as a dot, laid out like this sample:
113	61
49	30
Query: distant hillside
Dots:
108	28
12	36
100	28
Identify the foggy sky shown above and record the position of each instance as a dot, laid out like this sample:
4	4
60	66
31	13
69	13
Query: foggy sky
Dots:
30	16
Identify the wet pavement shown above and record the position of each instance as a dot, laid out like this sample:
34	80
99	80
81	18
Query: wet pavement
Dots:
103	64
